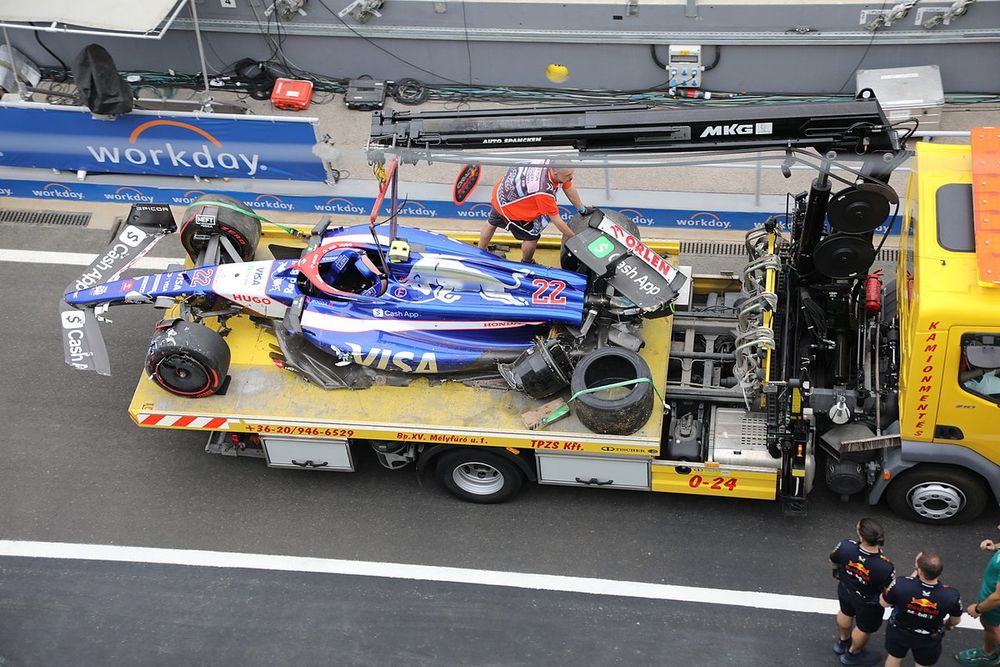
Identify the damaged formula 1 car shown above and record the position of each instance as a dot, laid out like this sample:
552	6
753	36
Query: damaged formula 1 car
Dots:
355	307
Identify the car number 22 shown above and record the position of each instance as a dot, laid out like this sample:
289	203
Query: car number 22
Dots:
548	292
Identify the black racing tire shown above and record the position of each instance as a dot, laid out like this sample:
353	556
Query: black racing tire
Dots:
940	495
623	415
479	476
188	359
241	229
578	223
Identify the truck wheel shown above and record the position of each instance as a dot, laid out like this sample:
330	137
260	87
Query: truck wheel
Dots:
479	476
628	408
938	495
242	230
578	223
188	359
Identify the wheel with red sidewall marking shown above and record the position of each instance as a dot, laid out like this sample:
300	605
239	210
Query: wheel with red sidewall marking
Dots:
187	359
242	230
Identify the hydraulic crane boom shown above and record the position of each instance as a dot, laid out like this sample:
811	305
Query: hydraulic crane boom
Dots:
803	319
854	127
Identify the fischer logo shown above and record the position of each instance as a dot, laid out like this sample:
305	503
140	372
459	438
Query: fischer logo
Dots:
513	140
339	205
415	209
247	164
478	210
188	197
637	216
737	129
57	191
706	220
126	193
271	203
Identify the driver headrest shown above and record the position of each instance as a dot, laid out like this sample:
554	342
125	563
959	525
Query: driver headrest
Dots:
366	268
983	356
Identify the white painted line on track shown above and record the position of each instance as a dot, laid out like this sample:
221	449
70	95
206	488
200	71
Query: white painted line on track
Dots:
453	575
78	259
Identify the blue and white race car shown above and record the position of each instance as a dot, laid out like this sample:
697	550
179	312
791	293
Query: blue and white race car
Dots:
354	305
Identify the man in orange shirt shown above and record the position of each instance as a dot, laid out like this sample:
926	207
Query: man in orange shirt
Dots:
523	199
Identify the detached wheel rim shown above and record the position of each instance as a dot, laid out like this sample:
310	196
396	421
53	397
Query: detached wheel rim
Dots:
936	500
478	478
183	374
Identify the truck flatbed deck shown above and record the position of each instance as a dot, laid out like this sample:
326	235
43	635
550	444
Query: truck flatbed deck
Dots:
263	398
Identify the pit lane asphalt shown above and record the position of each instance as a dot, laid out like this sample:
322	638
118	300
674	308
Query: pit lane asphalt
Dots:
75	469
87	613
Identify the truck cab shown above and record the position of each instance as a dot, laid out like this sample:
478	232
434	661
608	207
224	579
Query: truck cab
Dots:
948	312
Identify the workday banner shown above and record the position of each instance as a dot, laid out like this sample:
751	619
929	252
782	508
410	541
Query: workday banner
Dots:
158	143
414	211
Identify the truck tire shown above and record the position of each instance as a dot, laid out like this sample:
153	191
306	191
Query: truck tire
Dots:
188	359
578	223
623	415
241	229
479	476
938	494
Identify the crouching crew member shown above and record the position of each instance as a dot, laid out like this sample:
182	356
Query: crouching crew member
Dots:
923	609
522	202
863	572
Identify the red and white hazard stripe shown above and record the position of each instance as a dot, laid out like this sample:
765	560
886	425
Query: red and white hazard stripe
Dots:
182	421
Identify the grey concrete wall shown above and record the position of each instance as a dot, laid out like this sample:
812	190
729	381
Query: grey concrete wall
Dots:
510	43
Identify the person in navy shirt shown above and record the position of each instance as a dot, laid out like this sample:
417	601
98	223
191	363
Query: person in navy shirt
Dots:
923	609
863	572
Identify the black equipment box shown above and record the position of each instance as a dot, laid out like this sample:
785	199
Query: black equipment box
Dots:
365	94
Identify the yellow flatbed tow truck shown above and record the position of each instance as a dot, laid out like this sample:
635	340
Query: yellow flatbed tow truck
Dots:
269	412
804	355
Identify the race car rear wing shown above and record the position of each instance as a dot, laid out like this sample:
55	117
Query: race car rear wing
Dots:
83	344
635	271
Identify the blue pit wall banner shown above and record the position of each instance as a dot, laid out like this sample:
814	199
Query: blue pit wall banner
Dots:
45	136
273	207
